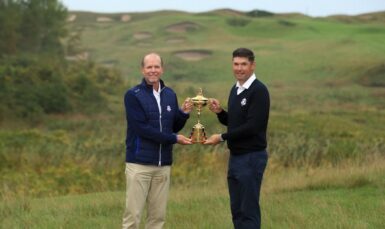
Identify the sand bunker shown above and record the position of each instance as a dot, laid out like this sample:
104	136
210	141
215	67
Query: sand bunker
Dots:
71	18
104	19
125	18
182	27
142	35
193	55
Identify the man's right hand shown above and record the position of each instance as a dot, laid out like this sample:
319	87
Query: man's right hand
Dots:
180	139
215	106
187	106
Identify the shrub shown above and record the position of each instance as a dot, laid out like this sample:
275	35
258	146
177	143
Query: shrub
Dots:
34	86
259	13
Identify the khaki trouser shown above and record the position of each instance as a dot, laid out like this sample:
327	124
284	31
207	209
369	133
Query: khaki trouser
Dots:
146	183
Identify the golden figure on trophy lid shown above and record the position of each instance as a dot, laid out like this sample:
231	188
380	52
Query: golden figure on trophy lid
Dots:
198	134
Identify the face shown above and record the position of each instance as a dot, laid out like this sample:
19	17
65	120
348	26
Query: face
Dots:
152	69
242	68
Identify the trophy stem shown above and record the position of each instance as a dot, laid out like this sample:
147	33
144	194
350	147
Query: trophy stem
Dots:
198	132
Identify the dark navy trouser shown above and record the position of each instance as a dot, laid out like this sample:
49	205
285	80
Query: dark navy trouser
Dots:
244	179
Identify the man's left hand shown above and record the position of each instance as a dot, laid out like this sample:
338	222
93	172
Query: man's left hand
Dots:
213	140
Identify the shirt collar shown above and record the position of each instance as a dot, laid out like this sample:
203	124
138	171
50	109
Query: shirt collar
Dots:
248	82
150	88
157	92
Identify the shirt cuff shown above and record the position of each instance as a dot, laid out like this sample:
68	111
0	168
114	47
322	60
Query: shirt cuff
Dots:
224	136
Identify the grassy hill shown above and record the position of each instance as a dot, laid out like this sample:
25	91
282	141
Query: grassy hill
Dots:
310	50
326	78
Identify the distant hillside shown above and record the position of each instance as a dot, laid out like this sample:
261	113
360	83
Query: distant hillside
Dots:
84	16
304	60
376	17
88	17
201	42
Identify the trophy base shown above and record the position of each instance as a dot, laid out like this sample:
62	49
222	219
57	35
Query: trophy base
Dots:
198	134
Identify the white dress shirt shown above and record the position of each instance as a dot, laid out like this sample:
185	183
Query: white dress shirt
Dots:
246	85
157	97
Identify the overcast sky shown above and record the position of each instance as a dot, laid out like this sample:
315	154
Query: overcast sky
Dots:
309	7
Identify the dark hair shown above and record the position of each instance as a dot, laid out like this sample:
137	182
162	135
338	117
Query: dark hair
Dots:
244	52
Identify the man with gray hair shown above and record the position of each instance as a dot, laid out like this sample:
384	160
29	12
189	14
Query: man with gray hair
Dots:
153	120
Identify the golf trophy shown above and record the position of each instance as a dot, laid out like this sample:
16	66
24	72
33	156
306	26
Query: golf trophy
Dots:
198	134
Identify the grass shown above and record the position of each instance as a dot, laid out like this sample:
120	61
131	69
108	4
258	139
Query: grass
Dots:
337	197
326	128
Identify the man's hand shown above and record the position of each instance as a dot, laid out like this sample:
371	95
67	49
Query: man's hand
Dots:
215	106
213	140
180	139
187	106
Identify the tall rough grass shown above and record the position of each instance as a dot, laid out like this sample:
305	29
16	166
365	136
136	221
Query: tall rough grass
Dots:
87	155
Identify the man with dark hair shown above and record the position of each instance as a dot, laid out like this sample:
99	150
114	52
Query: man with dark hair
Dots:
153	119
246	121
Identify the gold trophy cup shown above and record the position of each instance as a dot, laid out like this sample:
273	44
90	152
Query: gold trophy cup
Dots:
198	134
